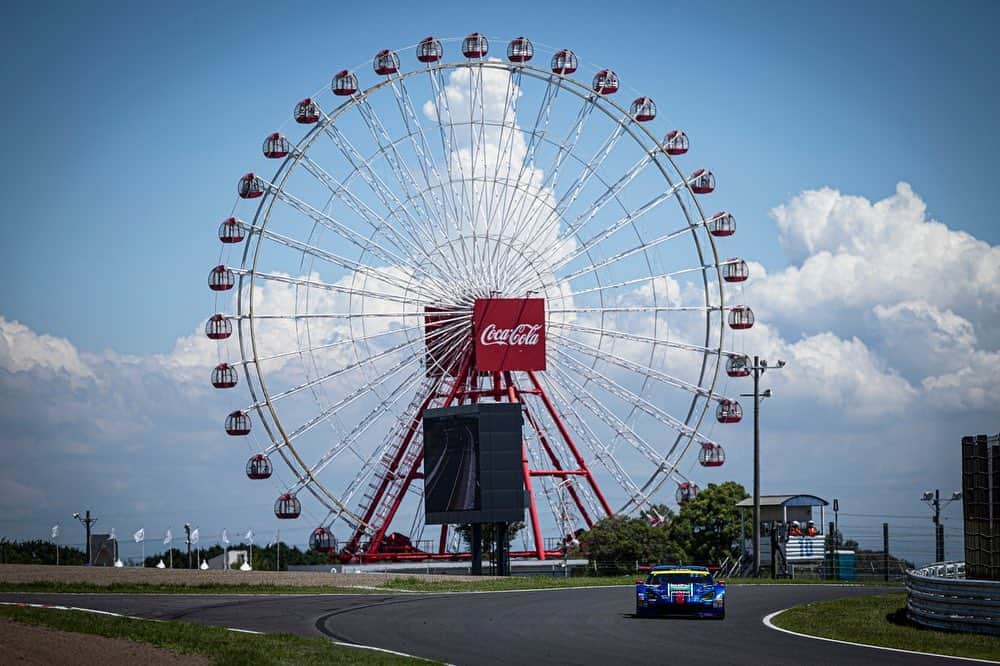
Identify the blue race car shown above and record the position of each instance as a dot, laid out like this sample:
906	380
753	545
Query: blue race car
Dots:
681	590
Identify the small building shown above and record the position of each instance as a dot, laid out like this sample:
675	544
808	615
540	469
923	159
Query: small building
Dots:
234	557
783	509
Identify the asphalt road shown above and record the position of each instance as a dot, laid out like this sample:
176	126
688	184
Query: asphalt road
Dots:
578	626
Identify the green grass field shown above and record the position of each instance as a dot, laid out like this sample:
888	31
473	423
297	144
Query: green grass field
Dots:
880	620
486	584
220	646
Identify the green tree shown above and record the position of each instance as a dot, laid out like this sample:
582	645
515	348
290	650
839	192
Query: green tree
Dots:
616	544
707	527
489	533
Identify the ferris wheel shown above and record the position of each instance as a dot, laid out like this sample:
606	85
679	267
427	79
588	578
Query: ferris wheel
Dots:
465	229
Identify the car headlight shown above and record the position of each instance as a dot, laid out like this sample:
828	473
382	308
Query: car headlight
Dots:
708	596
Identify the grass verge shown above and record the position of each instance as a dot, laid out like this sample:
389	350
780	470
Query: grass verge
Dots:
486	584
220	646
881	620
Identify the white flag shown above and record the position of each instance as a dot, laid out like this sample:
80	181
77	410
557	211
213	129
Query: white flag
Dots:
249	536
55	531
140	535
225	537
112	537
194	536
168	537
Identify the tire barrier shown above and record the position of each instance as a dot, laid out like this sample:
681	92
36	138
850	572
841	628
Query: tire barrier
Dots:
939	597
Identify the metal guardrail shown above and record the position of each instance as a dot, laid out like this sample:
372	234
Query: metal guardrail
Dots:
938	596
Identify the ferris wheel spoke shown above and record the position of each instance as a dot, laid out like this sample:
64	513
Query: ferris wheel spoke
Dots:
621	335
626	364
422	148
569	413
625	254
446	132
529	224
276	397
620	224
592	166
385	406
610	194
349	399
397	164
350	264
299	351
440	96
505	140
336	288
616	424
364	244
342	192
536	137
382	455
638	308
630	397
415	229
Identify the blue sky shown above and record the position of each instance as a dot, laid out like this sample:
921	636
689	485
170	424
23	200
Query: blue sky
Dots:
128	127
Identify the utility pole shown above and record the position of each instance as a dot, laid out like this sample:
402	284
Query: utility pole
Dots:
87	523
758	368
187	540
934	500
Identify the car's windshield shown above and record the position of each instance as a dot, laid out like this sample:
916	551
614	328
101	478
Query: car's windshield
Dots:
679	578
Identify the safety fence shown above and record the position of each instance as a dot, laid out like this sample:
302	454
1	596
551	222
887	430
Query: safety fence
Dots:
939	597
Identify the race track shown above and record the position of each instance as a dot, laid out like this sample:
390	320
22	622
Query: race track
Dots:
570	626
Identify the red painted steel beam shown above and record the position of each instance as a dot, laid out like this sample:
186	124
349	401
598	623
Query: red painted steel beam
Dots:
569	442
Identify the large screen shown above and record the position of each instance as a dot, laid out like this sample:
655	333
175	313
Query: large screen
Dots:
472	464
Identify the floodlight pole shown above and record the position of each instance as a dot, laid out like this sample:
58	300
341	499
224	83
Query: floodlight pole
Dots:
935	502
87	523
758	368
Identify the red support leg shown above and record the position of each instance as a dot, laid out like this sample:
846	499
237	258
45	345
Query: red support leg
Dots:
558	466
536	528
569	442
456	389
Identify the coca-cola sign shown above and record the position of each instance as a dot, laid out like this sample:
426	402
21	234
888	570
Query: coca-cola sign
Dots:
509	334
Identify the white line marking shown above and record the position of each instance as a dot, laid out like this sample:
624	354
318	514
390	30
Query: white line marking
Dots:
768	623
242	631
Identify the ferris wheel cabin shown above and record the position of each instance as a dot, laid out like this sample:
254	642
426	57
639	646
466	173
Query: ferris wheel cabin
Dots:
218	327
386	63
711	455
475	46
306	112
344	83
643	109
740	318
238	424
738	365
722	224
231	231
564	62
276	146
259	467
250	187
321	540
429	50
676	143
520	50
605	82
221	278
686	492
224	376
287	507
729	411
702	182
735	270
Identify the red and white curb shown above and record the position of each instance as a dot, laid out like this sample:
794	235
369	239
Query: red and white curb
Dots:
770	625
241	631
